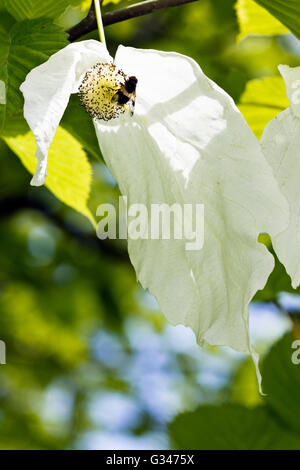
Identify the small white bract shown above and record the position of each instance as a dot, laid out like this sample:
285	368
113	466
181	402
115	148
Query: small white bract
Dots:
186	143
280	143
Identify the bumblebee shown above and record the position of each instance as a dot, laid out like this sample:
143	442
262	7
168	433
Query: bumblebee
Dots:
126	95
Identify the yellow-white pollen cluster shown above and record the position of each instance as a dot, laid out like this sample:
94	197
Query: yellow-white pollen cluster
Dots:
98	91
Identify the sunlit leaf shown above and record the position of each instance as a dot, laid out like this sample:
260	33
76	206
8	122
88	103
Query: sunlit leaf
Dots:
255	20
243	389
106	2
262	100
74	14
69	172
286	11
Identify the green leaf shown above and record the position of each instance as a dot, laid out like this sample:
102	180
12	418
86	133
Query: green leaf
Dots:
253	19
31	9
286	11
281	382
230	427
69	172
262	100
279	281
74	14
23	46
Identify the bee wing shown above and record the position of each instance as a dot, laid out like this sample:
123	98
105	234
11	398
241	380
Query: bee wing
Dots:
131	105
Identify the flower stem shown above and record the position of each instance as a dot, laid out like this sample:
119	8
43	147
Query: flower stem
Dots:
99	22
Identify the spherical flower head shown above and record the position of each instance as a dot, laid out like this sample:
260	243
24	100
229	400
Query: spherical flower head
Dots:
99	91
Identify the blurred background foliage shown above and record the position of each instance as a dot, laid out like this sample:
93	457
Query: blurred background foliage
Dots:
91	362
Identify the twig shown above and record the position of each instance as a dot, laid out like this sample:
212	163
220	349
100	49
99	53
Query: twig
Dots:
89	23
295	327
13	205
291	316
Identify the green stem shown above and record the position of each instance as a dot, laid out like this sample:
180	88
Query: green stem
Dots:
99	22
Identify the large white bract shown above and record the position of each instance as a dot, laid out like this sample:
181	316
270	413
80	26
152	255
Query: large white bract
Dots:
186	143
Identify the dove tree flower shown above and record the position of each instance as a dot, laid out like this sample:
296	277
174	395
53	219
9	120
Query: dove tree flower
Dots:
185	143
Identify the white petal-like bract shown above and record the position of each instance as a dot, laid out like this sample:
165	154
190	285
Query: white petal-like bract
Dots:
187	143
47	90
281	146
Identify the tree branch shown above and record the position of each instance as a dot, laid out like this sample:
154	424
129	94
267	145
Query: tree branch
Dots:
13	205
89	23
